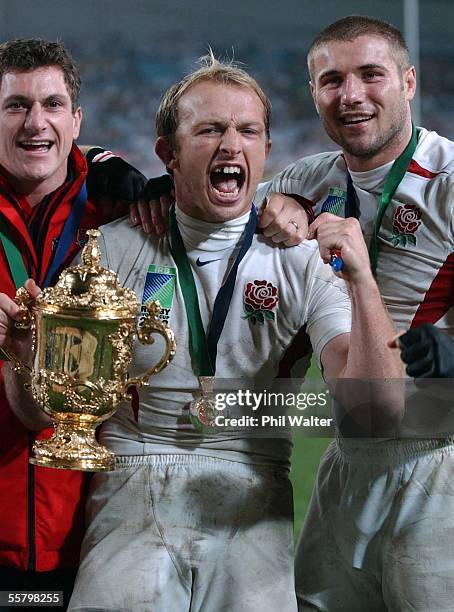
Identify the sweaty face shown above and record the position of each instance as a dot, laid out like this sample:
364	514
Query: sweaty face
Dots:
37	129
363	96
221	148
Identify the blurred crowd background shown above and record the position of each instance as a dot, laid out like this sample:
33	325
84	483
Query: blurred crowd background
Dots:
130	52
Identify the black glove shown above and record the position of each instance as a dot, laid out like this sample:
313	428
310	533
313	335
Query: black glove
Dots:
158	186
428	351
112	177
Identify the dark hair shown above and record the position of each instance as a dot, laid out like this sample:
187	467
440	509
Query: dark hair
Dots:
353	26
26	54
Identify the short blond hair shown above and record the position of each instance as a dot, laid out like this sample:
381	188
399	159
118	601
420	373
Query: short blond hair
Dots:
212	69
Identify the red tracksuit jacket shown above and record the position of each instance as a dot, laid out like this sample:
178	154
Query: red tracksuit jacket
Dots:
41	509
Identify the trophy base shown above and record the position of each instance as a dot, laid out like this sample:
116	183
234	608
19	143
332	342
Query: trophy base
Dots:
73	448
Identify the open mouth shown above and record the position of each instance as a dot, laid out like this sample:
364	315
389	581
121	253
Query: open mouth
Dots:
36	146
227	180
356	119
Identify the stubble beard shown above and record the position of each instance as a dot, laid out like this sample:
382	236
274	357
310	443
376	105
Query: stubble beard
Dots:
380	142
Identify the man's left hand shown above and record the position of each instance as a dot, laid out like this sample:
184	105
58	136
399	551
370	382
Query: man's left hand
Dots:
283	220
152	210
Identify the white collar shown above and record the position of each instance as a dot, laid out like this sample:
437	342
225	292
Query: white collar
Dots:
371	180
204	236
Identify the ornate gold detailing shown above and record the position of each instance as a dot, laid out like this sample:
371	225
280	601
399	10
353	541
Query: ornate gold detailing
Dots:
152	324
90	254
24	302
73	447
83	334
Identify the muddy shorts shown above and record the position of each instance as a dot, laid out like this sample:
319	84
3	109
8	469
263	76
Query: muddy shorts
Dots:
379	534
180	533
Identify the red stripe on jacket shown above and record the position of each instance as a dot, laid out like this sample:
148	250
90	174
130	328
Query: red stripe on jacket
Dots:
439	297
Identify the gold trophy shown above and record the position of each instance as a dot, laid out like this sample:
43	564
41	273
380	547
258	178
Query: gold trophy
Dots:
83	330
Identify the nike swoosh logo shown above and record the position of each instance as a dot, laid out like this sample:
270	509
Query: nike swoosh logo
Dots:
204	263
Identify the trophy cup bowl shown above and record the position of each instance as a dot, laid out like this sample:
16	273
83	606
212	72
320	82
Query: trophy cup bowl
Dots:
83	331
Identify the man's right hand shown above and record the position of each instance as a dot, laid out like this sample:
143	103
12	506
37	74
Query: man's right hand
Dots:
344	235
17	340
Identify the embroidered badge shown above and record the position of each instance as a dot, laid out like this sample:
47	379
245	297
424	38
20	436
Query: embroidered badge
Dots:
335	200
159	285
406	221
260	298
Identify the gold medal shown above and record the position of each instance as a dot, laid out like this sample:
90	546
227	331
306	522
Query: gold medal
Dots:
202	410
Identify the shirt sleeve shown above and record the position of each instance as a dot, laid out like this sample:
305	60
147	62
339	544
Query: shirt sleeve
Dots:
327	311
261	193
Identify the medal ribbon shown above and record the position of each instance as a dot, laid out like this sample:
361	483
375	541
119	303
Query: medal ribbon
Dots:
204	346
393	180
68	235
16	264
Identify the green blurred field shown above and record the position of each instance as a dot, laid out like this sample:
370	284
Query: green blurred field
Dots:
305	459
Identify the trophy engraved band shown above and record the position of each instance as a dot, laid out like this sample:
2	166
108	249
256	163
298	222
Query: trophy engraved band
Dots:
83	331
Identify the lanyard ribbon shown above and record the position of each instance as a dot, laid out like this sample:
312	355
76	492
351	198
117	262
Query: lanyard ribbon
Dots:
393	180
204	346
68	235
16	264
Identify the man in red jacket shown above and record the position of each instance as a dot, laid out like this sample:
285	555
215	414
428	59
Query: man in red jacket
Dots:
47	202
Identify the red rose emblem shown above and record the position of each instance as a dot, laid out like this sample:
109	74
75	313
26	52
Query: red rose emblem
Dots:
261	295
407	219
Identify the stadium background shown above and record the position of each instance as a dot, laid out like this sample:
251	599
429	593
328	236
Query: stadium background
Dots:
129	52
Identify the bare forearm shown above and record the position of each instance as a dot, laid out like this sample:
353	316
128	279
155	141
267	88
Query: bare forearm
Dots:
370	392
368	354
21	400
366	372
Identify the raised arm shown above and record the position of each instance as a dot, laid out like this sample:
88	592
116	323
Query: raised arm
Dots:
364	354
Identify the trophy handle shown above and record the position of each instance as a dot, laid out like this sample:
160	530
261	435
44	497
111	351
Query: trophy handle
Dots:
24	301
151	325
